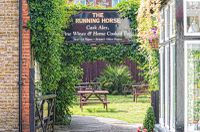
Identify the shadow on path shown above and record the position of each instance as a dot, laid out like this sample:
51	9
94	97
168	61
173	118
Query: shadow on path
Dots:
97	124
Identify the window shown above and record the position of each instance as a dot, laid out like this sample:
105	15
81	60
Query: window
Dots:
90	2
162	26
192	86
80	1
167	67
172	20
192	17
167	106
172	86
167	23
115	2
162	92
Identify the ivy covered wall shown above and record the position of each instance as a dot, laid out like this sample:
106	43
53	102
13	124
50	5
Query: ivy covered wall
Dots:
59	60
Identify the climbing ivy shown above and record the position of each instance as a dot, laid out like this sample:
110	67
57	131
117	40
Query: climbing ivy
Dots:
59	60
129	9
48	18
113	54
148	21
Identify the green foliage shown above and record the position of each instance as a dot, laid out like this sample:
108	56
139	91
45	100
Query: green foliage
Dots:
149	120
114	77
114	54
148	23
148	61
47	22
66	92
129	9
145	56
71	74
76	54
60	61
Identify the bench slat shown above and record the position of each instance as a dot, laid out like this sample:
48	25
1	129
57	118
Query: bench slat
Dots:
95	102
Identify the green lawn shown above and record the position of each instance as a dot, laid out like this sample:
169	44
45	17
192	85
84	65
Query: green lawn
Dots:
120	107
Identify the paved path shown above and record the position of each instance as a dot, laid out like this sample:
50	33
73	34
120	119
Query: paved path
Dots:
97	124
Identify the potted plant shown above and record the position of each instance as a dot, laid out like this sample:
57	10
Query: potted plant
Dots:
149	120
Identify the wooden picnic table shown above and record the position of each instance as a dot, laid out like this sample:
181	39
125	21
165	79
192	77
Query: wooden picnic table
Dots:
88	86
139	89
93	97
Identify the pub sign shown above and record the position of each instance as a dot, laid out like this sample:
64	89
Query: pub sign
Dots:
99	27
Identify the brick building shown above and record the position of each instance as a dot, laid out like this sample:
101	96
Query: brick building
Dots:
14	66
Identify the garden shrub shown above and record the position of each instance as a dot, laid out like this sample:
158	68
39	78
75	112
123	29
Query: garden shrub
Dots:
60	61
66	93
148	30
149	120
114	77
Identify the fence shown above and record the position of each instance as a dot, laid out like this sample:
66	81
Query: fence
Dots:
92	70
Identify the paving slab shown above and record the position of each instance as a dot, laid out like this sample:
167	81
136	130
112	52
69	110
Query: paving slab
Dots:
97	124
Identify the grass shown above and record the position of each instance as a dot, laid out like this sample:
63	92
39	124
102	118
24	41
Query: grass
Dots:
120	107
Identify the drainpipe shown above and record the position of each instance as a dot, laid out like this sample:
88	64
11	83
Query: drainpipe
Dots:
20	66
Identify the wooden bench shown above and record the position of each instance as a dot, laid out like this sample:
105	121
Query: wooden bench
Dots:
83	86
141	89
87	86
86	98
127	89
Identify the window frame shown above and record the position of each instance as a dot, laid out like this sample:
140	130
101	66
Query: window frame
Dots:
171	6
186	43
185	19
172	90
167	87
162	86
166	20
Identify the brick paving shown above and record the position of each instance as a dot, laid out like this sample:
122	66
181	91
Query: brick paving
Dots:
97	124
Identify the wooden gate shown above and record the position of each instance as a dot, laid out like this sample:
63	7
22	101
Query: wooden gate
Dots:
45	113
42	109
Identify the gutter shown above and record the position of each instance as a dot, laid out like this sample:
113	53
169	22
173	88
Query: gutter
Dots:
20	66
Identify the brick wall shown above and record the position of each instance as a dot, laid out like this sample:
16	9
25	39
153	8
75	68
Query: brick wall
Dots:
25	69
9	65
